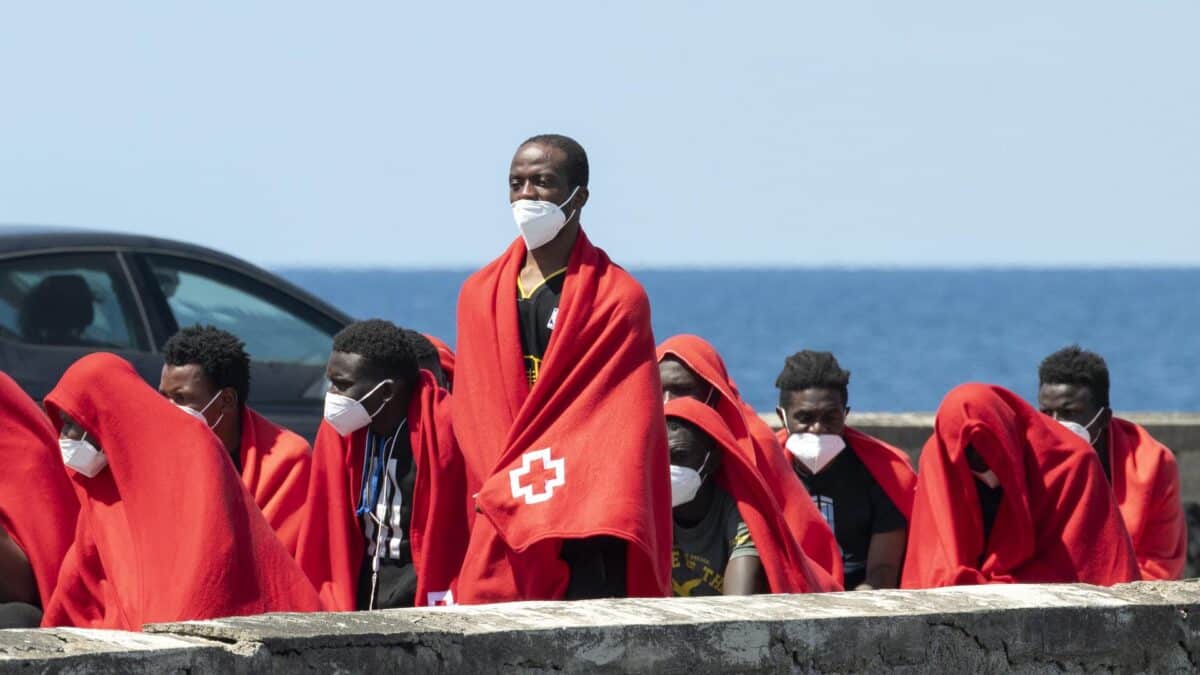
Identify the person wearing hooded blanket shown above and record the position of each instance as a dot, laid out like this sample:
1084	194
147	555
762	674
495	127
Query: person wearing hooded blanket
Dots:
730	536
1007	495
1073	388
206	372
385	521
865	494
691	367
38	508
166	530
558	407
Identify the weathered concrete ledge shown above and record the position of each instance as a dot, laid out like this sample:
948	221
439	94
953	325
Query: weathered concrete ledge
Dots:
1142	627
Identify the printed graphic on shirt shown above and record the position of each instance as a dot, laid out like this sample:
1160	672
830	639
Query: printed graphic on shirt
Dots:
537	314
825	506
700	553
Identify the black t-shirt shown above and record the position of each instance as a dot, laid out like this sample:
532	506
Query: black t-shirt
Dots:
989	504
392	469
855	506
537	311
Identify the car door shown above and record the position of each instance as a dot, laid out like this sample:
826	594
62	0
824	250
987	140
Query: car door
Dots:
288	340
56	307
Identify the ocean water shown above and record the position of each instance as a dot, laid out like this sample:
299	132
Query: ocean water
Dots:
907	336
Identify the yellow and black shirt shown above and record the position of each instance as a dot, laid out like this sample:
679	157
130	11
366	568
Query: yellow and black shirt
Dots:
699	554
537	311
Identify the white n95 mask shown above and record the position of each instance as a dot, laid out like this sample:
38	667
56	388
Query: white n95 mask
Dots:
1080	430
82	456
347	415
685	483
815	451
540	222
199	414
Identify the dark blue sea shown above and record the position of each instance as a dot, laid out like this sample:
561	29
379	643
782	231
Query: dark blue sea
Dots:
907	336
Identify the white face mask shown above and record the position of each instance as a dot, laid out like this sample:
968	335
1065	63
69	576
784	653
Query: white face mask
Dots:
685	483
540	222
199	414
82	456
988	478
1080	430
347	415
815	451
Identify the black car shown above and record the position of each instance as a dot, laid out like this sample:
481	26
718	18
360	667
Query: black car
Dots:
65	293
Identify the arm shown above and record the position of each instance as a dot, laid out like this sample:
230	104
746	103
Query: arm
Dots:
745	576
16	575
1162	549
884	556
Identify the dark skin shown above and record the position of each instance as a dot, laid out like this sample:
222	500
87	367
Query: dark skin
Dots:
72	430
744	575
189	386
355	376
538	172
680	382
821	410
1077	403
17	583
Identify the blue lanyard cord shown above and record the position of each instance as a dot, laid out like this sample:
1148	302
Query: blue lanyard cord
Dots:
375	464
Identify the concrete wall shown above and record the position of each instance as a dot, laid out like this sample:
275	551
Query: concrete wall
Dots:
1142	627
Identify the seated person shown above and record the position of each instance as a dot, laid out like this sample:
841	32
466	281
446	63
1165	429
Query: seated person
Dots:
166	531
1007	495
206	372
866	494
57	311
1073	388
385	521
429	356
689	367
729	535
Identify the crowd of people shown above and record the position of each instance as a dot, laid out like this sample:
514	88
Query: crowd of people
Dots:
558	454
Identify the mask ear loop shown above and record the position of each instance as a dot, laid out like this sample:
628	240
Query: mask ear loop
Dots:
703	464
569	198
373	389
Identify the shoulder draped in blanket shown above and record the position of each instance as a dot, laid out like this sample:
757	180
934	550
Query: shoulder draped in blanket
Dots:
1145	482
275	465
582	453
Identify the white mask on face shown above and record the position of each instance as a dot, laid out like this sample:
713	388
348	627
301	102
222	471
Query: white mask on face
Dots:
82	456
685	483
988	478
347	415
815	451
1080	430
540	222
199	414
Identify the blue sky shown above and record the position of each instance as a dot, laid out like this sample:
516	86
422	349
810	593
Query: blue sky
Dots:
720	133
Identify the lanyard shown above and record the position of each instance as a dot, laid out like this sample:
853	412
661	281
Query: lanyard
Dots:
374	466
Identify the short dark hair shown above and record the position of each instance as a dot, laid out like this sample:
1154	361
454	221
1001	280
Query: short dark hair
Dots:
220	354
809	369
381	342
577	161
1073	365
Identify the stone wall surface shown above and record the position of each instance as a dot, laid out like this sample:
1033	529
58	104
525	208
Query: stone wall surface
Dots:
1140	627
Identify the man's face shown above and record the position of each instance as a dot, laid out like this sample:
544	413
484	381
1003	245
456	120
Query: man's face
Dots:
688	446
679	382
351	375
1070	402
813	411
538	173
187	385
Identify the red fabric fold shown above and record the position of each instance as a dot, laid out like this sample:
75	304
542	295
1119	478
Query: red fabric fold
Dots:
166	532
38	507
582	453
1057	520
275	465
1145	482
445	357
759	444
332	543
787	568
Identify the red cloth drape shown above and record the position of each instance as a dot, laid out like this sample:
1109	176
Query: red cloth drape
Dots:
166	532
1145	482
445	357
275	465
581	453
1057	520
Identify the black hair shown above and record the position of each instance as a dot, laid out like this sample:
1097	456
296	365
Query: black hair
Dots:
427	356
383	344
1073	365
809	369
577	161
220	354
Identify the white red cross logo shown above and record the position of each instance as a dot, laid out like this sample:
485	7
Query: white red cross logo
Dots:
536	485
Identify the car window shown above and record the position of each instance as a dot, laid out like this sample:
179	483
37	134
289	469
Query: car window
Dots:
76	300
204	294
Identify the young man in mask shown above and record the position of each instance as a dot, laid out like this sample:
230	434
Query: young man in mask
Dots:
864	494
206	373
384	523
1073	389
554	346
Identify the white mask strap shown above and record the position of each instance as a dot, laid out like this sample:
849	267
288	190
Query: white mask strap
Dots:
368	394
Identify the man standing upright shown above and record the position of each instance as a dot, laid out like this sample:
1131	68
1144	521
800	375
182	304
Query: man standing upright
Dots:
558	406
1073	388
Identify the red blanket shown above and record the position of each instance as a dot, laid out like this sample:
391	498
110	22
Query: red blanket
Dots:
275	464
787	568
332	544
1145	481
445	357
38	508
1057	520
758	443
167	532
582	453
